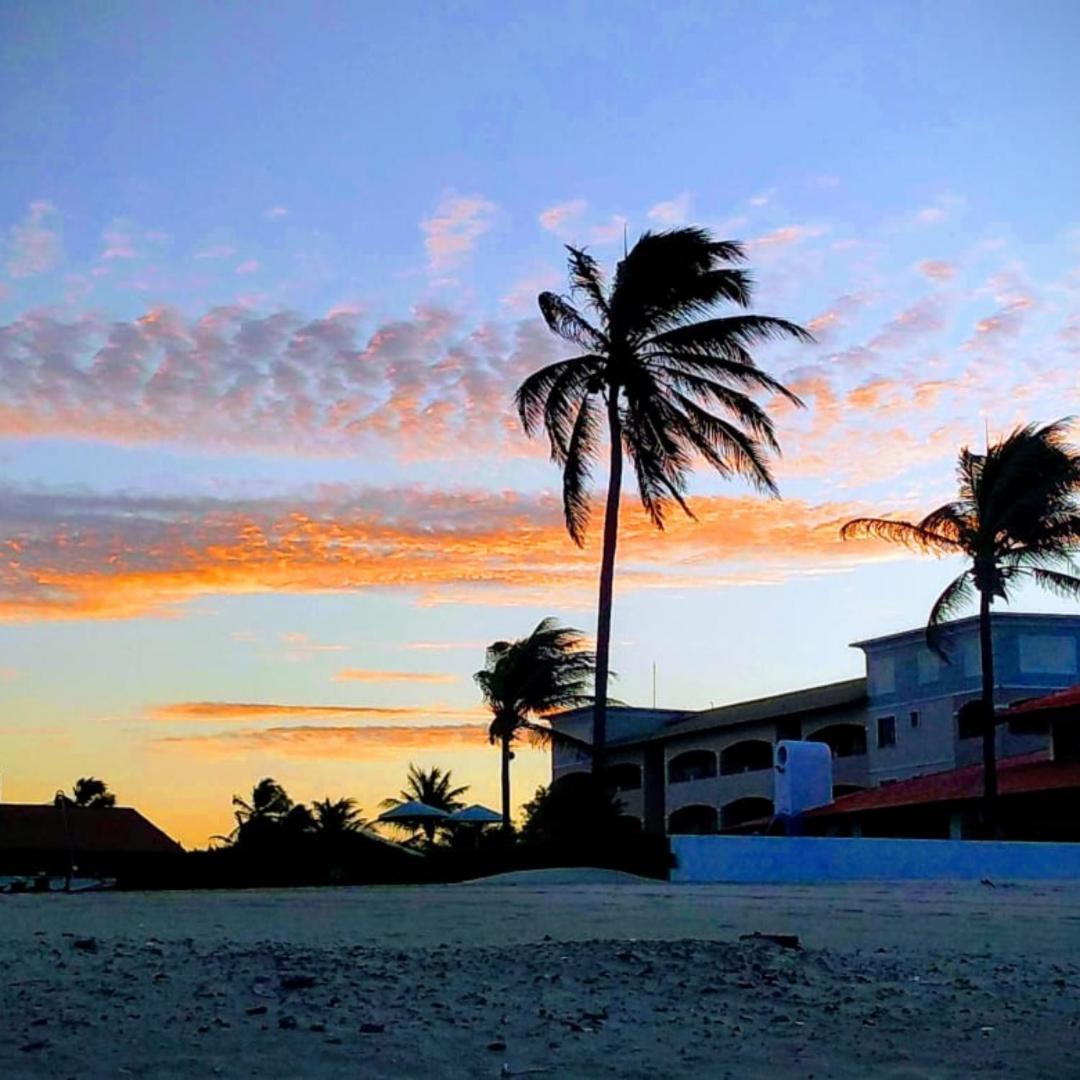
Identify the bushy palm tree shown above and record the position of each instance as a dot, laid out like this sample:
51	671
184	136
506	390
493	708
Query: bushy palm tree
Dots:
268	802
92	793
433	787
530	678
668	386
1016	518
337	817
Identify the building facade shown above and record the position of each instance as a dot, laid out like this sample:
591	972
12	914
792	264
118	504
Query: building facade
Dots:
705	771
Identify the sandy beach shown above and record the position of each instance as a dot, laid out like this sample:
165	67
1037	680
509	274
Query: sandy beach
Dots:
542	979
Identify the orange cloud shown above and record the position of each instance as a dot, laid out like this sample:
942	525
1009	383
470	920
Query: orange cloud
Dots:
354	743
432	545
218	711
364	675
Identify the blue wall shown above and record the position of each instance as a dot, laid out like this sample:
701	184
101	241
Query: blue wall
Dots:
810	859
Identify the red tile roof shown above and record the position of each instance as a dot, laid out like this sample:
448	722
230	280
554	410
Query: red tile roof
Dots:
1062	699
117	831
1016	776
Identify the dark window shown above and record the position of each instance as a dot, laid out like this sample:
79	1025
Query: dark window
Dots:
969	720
914	717
886	731
788	728
692	765
845	740
696	820
750	756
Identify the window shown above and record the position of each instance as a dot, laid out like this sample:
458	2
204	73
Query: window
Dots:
692	765
886	732
929	665
883	675
969	720
914	717
1047	654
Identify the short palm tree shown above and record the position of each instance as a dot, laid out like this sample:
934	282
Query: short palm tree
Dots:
530	678
433	787
337	817
1016	518
667	385
268	802
92	793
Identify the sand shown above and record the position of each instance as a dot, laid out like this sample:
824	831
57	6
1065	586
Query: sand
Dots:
561	980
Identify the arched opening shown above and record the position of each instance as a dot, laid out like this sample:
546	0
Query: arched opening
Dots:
840	790
625	776
751	808
693	820
753	755
692	765
844	740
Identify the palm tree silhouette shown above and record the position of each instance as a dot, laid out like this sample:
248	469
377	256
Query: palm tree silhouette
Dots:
337	817
671	386
1016	518
268	802
92	793
433	788
532	677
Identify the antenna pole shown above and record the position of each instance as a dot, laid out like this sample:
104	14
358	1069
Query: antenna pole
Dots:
654	684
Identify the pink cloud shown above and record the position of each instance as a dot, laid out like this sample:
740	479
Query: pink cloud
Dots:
452	231
34	244
556	218
937	269
787	236
248	267
613	231
276	213
673	211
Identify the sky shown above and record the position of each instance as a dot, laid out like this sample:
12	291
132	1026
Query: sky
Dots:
268	280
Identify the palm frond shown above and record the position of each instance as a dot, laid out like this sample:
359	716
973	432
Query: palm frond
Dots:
577	471
566	321
711	337
901	532
957	595
1064	585
532	395
586	278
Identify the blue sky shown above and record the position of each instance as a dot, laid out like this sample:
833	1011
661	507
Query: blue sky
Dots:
267	281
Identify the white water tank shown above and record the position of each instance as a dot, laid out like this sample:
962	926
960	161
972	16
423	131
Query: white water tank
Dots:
802	773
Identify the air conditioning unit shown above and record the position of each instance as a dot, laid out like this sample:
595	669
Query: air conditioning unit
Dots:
802	775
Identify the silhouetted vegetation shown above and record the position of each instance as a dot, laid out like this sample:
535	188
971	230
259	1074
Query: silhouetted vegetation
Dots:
92	793
668	386
1016	518
432	787
529	678
571	808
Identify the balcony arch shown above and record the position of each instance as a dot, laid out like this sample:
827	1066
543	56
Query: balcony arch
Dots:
844	740
624	776
750	808
750	755
694	820
692	765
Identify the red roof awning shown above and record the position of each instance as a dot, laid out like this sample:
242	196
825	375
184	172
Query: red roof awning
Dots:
1061	700
1020	775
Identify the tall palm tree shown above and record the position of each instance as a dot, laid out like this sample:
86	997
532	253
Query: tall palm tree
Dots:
1016	518
671	387
529	678
337	817
92	793
432	787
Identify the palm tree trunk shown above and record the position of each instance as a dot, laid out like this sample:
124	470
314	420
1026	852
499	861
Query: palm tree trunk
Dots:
986	647
607	583
506	783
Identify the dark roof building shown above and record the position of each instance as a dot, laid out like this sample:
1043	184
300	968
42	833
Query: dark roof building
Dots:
36	837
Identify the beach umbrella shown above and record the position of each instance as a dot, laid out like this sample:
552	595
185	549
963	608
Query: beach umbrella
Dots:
476	815
413	813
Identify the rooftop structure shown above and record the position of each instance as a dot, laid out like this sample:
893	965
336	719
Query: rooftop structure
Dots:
711	770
